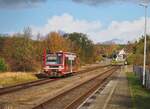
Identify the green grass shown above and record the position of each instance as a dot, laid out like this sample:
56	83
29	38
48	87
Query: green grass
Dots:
140	96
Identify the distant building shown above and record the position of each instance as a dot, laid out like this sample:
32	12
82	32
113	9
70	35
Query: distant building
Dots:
121	56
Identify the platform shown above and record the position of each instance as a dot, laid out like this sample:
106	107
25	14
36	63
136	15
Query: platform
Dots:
116	94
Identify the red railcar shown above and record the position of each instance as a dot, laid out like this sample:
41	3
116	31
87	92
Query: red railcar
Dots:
59	63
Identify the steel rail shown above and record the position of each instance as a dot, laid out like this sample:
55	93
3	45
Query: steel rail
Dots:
74	104
10	89
26	85
69	106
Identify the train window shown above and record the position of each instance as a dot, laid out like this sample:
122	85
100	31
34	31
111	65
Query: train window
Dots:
68	62
59	59
73	63
53	59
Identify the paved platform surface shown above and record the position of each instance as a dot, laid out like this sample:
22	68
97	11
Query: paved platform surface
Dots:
116	94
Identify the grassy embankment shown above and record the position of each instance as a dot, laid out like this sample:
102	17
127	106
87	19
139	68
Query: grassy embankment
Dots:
9	78
140	96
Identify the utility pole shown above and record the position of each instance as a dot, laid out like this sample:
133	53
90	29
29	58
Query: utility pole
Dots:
145	30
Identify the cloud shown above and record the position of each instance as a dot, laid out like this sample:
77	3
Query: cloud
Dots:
19	3
99	2
67	23
125	30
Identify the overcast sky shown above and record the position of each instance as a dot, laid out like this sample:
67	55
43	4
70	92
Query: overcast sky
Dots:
101	20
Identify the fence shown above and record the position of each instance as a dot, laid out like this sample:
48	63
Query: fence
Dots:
138	70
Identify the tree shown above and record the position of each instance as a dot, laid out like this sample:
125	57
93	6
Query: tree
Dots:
27	32
82	46
20	53
136	56
55	42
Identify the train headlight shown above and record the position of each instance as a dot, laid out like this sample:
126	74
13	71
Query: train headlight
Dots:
46	68
60	66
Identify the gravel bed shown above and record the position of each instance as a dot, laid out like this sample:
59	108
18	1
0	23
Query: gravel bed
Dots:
32	96
63	101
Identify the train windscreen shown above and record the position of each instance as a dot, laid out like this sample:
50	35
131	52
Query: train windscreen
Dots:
53	59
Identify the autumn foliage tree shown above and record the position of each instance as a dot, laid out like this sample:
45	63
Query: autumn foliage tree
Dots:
20	52
55	42
137	51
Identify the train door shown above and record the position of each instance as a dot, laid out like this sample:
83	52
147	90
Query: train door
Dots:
66	65
70	62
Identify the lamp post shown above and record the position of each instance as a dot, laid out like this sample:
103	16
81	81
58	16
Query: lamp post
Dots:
145	30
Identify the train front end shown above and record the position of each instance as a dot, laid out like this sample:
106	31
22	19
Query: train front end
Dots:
53	64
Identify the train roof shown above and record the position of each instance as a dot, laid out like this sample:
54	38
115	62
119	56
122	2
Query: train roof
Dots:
64	52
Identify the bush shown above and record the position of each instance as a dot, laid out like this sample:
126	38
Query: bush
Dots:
3	65
136	59
131	59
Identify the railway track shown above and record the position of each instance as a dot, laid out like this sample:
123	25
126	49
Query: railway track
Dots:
73	97
22	86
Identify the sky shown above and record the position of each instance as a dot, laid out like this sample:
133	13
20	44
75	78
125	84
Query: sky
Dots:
101	20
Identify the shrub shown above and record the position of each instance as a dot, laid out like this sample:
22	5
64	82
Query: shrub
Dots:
135	59
131	58
3	65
